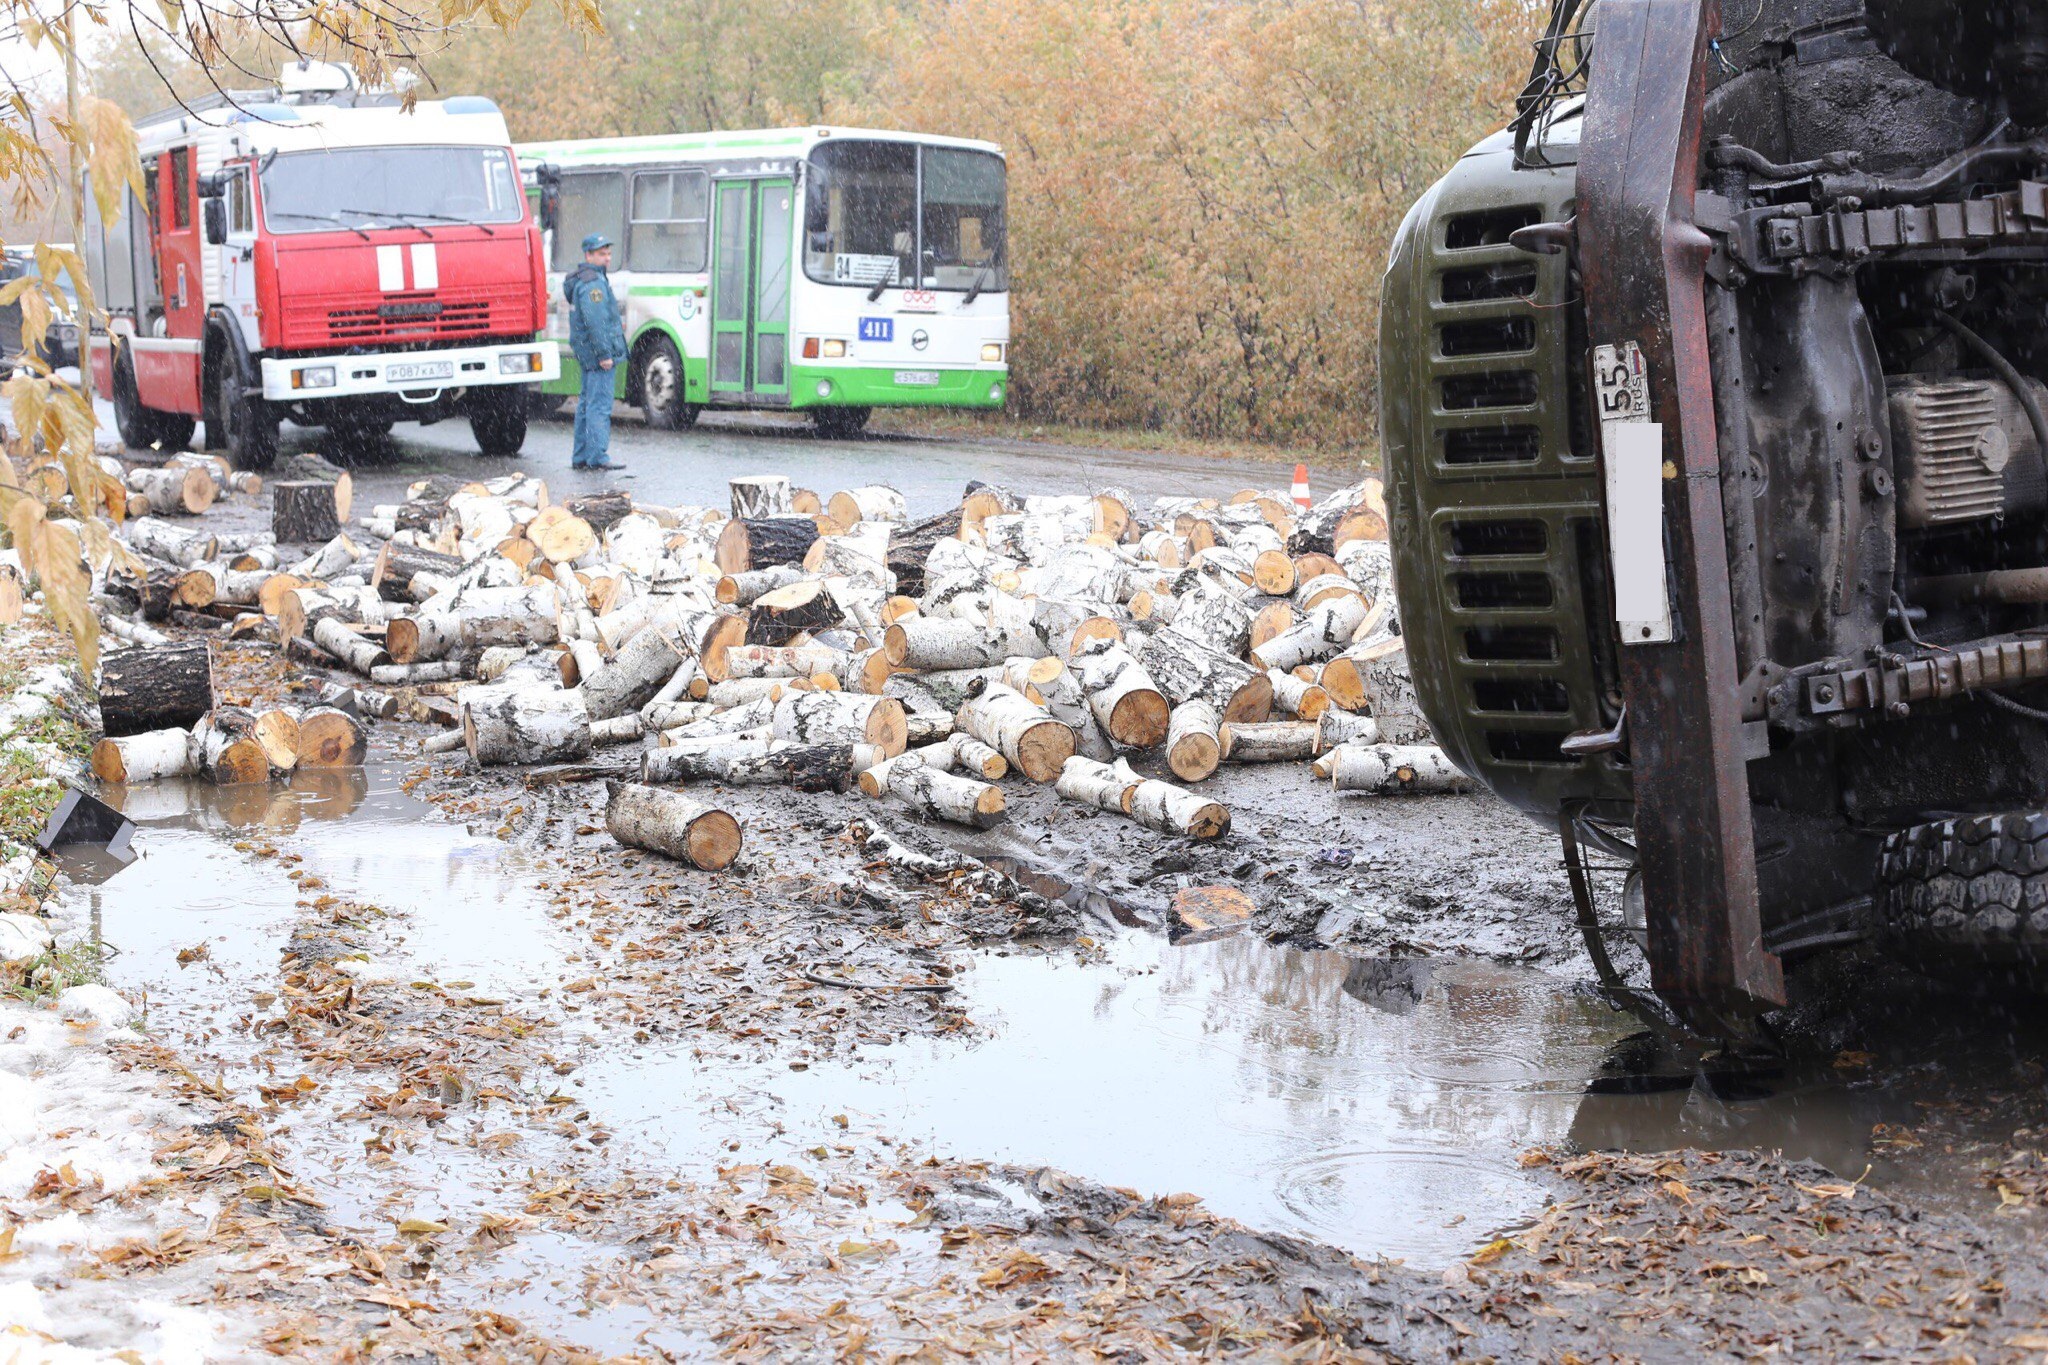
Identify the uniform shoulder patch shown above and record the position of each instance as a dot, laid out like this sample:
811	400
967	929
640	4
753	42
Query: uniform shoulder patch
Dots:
597	296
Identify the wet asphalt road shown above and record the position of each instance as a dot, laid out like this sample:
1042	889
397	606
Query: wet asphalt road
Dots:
691	467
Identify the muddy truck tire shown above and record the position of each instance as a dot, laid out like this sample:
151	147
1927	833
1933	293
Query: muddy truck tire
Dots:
1967	891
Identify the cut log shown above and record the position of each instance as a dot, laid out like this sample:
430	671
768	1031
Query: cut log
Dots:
1335	727
760	495
708	759
1297	698
744	589
1194	745
175	490
926	643
330	737
670	823
397	565
769	661
1278	741
333	635
1186	671
941	795
631	678
1390	694
278	732
875	502
155	688
841	718
1019	729
740	691
1391	769
475	621
305	512
225	750
172	544
563	537
1214	617
332	560
1322	633
413	675
970	755
1102	785
144	757
359	701
618	730
910	548
662	715
759	542
524	723
780	616
806	767
926	727
1173	810
602	510
1274	619
1124	700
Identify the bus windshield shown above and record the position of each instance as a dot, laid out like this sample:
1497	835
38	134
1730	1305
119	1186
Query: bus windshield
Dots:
894	213
364	187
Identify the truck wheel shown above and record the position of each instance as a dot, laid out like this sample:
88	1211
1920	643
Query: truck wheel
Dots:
248	424
839	423
661	388
541	403
139	426
499	426
1969	891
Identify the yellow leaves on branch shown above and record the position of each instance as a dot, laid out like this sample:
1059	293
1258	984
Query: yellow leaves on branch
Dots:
51	551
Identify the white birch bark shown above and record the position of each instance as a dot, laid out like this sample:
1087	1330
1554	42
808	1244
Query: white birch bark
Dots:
524	723
668	822
1391	769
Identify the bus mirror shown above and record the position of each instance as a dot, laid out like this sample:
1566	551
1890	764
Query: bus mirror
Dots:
216	211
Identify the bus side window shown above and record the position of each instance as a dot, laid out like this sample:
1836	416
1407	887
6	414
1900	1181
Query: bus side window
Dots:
670	227
592	201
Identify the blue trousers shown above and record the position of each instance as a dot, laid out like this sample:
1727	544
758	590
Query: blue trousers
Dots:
593	419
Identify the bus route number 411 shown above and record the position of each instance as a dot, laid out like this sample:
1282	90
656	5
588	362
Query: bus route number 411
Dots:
878	329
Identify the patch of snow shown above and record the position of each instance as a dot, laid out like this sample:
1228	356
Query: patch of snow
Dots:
95	1004
23	937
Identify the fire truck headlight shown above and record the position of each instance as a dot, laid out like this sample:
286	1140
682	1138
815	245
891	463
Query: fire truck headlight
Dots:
313	377
526	362
992	352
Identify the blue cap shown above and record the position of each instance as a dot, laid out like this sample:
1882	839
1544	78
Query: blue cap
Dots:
596	241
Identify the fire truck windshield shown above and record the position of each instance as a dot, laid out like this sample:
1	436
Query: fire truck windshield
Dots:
354	188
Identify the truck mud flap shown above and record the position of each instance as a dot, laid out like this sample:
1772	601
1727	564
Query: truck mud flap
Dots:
1643	262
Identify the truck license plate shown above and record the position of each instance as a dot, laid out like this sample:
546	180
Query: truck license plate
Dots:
420	369
917	376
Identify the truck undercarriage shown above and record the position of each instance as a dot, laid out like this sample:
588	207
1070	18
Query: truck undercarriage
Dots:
1766	579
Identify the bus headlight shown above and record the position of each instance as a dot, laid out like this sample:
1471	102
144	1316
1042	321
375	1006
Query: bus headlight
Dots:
991	352
313	377
526	362
824	388
835	349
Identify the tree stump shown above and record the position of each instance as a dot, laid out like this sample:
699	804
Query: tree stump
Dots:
304	512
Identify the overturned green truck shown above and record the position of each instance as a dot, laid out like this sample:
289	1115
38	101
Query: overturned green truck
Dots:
1713	414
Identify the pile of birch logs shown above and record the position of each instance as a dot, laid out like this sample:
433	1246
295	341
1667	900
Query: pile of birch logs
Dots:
827	642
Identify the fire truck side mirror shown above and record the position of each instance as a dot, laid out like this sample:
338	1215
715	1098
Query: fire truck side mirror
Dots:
216	213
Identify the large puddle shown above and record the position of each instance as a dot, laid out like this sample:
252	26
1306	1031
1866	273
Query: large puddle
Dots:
1377	1105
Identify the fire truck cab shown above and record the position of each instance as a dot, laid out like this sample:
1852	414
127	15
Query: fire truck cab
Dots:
320	253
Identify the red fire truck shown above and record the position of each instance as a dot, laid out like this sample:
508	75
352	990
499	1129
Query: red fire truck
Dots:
321	253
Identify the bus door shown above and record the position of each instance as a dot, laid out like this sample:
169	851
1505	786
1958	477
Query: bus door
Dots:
753	253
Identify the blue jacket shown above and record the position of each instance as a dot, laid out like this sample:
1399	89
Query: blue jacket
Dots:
596	331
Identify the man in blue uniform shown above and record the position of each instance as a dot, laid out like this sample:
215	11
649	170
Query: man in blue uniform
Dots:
597	336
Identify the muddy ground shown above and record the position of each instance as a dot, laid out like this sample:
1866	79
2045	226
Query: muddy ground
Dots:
464	1079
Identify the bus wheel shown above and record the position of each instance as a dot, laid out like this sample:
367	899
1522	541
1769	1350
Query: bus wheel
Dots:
661	388
249	422
499	425
839	423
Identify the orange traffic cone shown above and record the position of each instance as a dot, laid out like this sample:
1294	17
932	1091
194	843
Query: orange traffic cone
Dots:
1301	486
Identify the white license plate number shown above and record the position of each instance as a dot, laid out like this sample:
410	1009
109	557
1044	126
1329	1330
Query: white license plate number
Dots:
420	369
926	377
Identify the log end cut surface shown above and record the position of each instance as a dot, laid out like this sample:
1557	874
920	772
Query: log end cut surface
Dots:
714	841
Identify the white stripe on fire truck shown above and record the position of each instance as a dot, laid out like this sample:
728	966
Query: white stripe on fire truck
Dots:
426	266
390	269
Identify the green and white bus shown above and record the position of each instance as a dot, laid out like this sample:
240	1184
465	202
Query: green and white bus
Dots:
827	270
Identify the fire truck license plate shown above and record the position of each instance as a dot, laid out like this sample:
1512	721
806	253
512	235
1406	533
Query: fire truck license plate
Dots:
917	376
421	369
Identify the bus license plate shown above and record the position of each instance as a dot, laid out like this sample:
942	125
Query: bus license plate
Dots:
420	369
917	376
